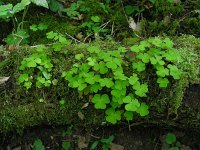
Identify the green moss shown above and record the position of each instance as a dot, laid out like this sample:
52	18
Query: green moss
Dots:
192	26
20	108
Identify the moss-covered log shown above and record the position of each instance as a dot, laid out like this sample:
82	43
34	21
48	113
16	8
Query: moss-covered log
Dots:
21	108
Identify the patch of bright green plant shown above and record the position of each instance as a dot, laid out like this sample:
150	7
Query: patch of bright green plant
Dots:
38	145
60	40
105	142
101	74
19	34
170	142
37	67
8	10
17	38
40	27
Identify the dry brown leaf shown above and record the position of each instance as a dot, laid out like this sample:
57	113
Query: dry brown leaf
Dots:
82	142
85	105
114	146
3	79
81	115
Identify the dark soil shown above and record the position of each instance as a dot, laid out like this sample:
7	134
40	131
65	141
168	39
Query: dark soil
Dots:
139	138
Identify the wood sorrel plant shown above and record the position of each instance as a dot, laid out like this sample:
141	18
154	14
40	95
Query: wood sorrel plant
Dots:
37	67
102	74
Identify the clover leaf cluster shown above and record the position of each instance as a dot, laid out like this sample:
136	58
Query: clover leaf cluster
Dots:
102	74
161	55
37	67
110	81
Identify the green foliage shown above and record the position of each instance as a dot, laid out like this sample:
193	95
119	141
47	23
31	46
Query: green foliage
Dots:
9	10
170	142
40	27
73	10
105	143
37	145
20	37
60	40
39	63
93	26
161	55
129	9
66	145
101	73
42	3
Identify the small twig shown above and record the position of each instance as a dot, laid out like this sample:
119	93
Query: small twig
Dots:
41	45
104	25
73	38
96	137
112	30
87	37
21	38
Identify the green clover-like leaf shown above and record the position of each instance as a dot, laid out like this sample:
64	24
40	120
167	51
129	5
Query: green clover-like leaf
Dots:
174	71
100	101
57	47
111	65
96	19
34	27
144	57
128	115
113	116
133	79
27	85
127	99
162	72
91	61
171	55
170	138
106	82
163	82
120	84
116	93
143	110
140	89
139	66
138	48
156	41
23	77
42	26
118	100
51	35
133	105
119	75
168	43
82	86
95	88
31	63
79	56
93	49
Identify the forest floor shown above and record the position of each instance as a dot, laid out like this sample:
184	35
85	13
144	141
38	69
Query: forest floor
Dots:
138	138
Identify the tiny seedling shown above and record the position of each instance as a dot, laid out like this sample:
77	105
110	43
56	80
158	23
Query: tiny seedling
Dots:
104	142
38	145
170	142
